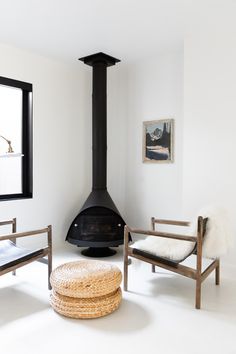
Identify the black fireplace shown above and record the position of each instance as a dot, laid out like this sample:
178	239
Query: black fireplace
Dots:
99	224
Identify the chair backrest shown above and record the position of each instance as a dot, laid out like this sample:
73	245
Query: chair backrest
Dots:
204	225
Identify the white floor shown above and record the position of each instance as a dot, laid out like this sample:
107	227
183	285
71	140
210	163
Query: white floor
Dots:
157	315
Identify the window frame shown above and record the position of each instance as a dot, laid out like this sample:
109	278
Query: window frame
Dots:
27	139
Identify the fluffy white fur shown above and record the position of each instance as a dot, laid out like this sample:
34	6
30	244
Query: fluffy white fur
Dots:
172	249
217	240
219	234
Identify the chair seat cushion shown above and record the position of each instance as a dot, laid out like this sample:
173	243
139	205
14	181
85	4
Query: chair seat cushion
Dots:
155	258
169	249
11	255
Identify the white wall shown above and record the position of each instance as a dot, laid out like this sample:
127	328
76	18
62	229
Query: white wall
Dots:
62	126
203	171
209	170
60	107
155	91
117	100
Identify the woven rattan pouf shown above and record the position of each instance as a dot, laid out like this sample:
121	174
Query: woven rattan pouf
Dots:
86	289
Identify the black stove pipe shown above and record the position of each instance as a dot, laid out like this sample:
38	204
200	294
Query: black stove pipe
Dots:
99	62
99	115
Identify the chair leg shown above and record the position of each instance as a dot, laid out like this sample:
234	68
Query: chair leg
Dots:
49	270
198	294
126	273
153	268
49	255
217	273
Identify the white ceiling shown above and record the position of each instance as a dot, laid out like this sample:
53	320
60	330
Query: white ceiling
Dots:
68	29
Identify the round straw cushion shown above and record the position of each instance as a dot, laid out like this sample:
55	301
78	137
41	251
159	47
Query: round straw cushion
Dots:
86	279
86	308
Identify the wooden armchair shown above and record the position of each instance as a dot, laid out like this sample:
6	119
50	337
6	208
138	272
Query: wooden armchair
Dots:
194	273
13	257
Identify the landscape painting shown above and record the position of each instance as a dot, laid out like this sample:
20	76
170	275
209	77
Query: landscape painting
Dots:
158	140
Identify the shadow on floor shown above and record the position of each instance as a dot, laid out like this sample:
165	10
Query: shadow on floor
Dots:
217	301
130	317
169	288
175	287
16	303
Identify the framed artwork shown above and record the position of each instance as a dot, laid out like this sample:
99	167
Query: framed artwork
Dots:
158	141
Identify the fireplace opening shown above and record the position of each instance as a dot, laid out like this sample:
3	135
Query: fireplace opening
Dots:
97	227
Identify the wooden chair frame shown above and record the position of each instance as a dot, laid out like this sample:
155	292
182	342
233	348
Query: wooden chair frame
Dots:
194	273
46	251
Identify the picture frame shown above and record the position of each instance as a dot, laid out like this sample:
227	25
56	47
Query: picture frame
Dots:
158	141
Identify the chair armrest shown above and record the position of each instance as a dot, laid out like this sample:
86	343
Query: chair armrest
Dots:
25	234
7	222
162	234
171	222
11	222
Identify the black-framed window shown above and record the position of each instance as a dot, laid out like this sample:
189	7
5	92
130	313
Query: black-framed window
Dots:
15	139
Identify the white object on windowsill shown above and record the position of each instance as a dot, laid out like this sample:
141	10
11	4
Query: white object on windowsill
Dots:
11	154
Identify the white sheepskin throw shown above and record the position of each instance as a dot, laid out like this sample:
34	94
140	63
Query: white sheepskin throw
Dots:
219	235
174	250
217	239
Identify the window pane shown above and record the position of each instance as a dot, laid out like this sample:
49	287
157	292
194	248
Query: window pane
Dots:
11	129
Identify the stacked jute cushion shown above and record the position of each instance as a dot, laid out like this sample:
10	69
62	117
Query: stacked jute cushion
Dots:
86	289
